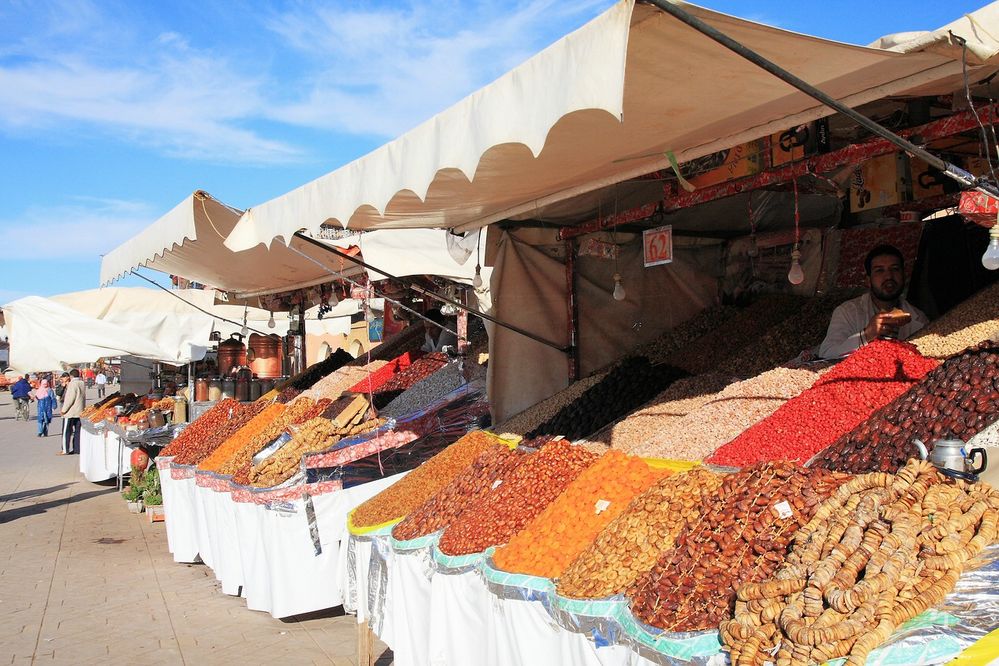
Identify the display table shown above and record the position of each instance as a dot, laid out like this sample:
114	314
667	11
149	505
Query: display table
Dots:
103	453
281	550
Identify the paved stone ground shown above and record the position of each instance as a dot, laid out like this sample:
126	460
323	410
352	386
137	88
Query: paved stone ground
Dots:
82	581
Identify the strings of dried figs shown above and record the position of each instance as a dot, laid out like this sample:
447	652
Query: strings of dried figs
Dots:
882	549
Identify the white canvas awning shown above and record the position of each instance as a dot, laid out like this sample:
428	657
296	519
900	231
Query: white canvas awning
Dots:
598	107
44	334
188	241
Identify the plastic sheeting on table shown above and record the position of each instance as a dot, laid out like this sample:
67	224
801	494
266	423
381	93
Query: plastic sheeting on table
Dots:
477	610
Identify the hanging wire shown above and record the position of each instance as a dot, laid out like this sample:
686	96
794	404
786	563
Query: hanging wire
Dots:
360	286
971	104
797	214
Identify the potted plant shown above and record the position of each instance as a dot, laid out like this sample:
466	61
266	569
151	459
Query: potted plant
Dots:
152	495
133	495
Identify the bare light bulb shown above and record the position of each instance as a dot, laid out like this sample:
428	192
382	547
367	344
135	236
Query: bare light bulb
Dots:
245	330
991	257
477	280
270	322
754	249
618	292
796	275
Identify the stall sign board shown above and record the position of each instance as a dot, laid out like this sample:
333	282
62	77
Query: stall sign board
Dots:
658	245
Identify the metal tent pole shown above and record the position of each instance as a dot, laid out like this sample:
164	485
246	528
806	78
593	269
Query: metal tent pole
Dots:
956	173
440	297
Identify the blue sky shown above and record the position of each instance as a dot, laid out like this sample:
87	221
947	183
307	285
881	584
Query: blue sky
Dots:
112	112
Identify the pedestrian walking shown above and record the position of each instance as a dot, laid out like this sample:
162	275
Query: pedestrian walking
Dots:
21	392
101	380
73	403
46	399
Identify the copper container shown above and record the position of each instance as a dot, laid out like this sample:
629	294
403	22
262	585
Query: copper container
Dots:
264	355
232	354
201	390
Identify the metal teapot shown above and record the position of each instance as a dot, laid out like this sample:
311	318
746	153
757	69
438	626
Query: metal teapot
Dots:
951	459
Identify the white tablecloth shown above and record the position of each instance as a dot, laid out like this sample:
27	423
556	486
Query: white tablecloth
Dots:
266	552
99	455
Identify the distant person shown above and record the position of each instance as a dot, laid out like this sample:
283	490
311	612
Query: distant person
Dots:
46	399
73	403
101	381
435	338
60	386
21	392
879	313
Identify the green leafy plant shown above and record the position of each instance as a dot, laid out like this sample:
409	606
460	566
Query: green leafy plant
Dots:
133	493
152	491
152	499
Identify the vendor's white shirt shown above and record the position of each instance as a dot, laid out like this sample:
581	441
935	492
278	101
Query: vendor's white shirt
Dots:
852	317
101	378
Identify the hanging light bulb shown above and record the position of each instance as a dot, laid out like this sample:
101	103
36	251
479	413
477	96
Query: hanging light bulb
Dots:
244	331
477	280
618	292
754	249
796	275
991	257
270	322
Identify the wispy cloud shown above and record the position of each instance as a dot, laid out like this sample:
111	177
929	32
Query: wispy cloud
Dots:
78	231
383	70
140	75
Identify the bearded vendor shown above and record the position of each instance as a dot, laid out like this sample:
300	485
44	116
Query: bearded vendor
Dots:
880	313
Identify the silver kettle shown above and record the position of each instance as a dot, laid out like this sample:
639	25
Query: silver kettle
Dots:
950	458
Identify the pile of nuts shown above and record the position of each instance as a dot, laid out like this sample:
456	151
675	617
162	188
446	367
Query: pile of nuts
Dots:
730	412
631	384
315	434
425	392
509	508
534	416
708	352
416	372
785	340
333	385
881	550
410	492
841	399
213	428
742	537
314	373
630	545
682	397
957	399
489	471
969	323
678	337
550	542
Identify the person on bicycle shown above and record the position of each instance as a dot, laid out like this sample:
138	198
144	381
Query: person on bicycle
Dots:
20	391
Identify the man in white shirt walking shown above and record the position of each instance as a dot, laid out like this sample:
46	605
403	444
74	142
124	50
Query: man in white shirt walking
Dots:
870	316
101	380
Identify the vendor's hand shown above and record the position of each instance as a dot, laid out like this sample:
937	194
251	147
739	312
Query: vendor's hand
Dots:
881	326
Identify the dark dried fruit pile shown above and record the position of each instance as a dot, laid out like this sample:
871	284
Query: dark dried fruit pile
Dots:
314	373
628	386
487	472
960	398
415	373
533	486
742	537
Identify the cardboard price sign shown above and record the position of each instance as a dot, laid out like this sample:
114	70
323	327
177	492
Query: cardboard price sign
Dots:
658	245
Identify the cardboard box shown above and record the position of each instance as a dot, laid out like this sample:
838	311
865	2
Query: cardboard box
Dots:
746	159
799	142
878	182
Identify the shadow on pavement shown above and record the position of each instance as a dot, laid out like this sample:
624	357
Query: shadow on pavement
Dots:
34	492
27	510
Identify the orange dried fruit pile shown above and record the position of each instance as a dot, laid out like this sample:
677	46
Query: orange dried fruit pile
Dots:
549	544
239	439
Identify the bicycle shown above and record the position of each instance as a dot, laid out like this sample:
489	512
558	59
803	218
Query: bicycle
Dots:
21	409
